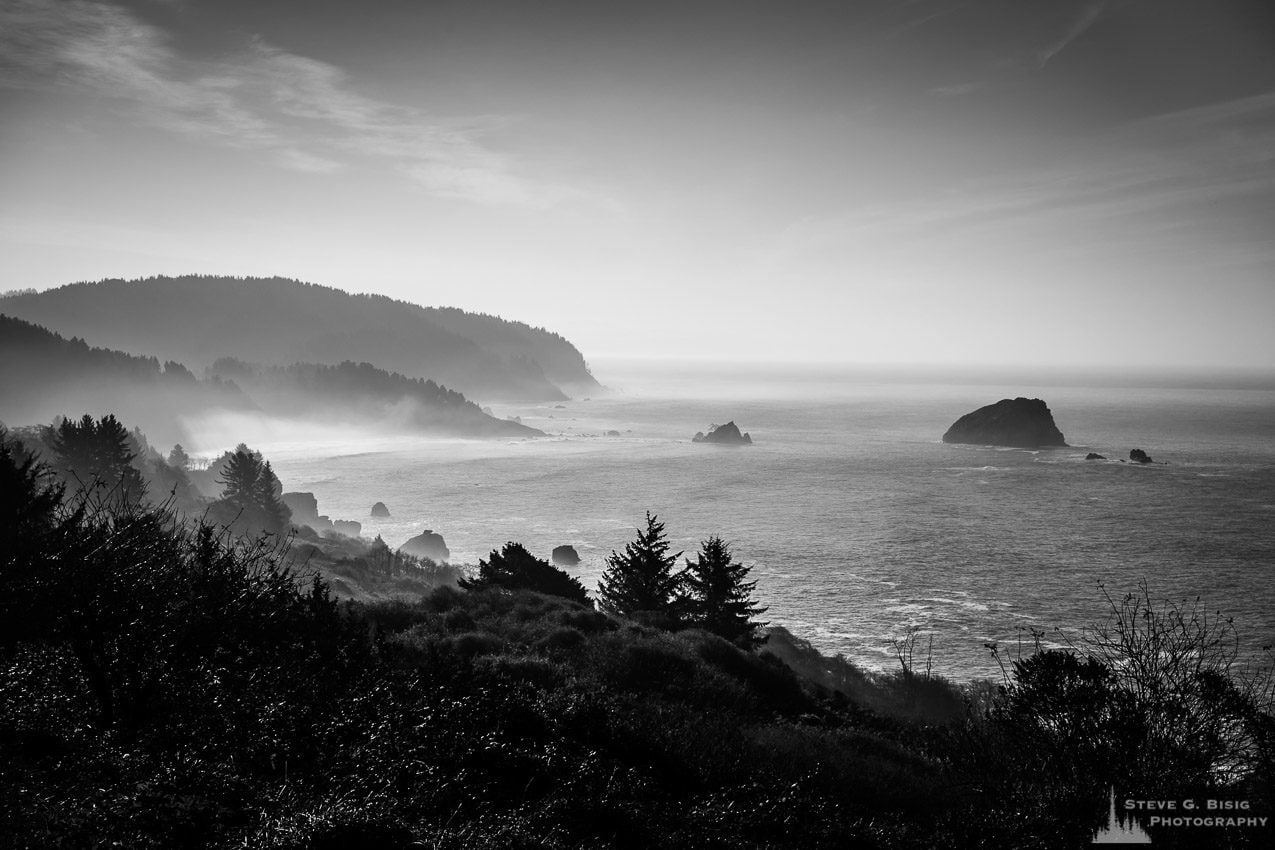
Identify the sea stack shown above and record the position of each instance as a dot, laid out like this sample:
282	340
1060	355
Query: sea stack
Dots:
565	556
725	435
427	544
1023	423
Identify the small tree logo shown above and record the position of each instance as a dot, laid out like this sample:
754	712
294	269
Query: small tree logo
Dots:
1116	832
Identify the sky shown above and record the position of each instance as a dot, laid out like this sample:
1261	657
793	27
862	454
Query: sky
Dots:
989	182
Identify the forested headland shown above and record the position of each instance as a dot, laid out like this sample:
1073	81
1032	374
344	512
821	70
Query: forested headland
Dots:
176	671
196	319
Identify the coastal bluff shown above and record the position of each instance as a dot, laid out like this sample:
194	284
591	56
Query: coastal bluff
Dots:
1024	423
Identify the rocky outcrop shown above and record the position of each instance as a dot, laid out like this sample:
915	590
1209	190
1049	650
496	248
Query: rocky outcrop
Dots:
1094	456
1024	423
348	527
305	511
304	506
427	544
1139	456
380	511
725	435
565	556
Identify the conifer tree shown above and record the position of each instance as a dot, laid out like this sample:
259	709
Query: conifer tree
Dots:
239	479
643	578
250	495
275	512
718	596
514	568
97	453
29	499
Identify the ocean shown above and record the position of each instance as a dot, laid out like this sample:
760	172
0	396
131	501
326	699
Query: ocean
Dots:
857	521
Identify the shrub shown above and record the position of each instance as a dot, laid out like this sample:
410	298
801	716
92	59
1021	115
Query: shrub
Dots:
1150	700
588	621
470	644
561	639
514	568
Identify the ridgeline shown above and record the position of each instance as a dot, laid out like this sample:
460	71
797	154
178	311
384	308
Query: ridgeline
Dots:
197	319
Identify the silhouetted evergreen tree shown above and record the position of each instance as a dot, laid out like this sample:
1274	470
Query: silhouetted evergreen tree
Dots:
643	578
276	513
250	498
97	453
514	568
29	502
239	478
718	596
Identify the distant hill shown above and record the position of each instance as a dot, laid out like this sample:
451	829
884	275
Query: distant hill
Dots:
352	391
275	321
43	375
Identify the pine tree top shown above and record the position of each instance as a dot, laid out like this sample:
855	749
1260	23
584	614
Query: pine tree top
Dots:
643	578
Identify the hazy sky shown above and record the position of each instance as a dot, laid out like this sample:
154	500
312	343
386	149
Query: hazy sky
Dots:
1009	181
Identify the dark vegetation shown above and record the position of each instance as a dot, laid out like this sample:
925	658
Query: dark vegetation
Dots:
100	461
196	319
166	683
514	568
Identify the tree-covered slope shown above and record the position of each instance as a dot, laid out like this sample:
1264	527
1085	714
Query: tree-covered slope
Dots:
198	319
361	391
43	375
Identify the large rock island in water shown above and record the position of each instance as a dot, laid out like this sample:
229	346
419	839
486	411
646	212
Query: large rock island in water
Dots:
1024	423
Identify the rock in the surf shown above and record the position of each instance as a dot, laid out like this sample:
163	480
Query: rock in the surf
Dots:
427	544
724	435
565	556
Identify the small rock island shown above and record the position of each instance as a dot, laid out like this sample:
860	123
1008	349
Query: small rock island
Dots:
427	544
565	556
725	435
1022	423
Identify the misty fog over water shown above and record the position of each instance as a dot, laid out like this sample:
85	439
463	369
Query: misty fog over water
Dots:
859	522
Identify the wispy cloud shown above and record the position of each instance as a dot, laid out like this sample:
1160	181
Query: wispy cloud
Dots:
1177	172
1082	22
306	113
